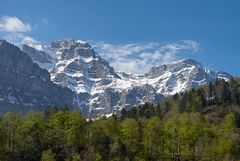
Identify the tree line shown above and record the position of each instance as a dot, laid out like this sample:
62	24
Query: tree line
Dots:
200	124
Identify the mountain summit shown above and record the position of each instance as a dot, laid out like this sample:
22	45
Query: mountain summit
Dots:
100	90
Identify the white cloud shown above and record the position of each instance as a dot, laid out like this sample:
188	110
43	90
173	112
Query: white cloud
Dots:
19	39
13	25
29	40
32	42
16	31
140	57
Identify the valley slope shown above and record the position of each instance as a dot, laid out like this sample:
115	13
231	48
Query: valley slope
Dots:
25	86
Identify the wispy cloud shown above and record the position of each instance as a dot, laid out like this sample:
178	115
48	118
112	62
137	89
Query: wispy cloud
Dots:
130	58
16	31
140	57
14	25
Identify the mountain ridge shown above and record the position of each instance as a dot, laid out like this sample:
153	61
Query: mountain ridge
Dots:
101	90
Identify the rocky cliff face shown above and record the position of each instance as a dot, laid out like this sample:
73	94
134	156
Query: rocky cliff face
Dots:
101	91
24	85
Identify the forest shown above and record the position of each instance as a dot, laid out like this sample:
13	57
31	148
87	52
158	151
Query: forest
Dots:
200	124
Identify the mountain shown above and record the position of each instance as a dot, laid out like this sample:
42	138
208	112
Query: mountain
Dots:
100	90
24	85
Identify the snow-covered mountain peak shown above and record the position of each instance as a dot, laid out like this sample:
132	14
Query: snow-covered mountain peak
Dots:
191	61
70	49
175	66
187	61
67	43
100	90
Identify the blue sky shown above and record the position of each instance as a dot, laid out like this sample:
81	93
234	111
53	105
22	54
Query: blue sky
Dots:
213	24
